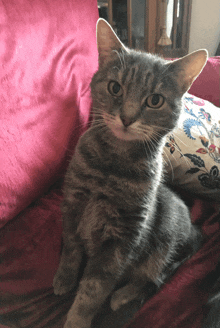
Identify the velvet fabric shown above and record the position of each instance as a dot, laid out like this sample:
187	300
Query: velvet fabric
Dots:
48	56
207	86
181	302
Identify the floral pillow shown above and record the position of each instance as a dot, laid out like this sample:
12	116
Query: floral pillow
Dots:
192	151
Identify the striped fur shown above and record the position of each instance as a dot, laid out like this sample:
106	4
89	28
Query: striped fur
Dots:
116	208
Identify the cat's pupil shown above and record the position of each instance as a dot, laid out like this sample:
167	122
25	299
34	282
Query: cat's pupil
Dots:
155	100
116	87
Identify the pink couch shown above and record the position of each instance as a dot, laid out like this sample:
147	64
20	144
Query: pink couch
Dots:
48	56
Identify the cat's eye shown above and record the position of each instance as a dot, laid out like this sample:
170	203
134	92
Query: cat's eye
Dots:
115	89
154	101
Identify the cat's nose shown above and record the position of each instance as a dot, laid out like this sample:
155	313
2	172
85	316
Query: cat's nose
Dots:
126	121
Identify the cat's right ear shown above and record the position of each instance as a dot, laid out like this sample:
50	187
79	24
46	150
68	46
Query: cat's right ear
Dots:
107	42
187	68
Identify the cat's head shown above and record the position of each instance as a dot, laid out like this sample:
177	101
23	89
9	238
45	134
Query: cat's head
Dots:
138	95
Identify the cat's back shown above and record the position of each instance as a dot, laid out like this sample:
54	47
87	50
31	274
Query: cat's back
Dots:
174	216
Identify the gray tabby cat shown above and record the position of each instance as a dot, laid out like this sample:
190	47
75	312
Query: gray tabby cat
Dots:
116	208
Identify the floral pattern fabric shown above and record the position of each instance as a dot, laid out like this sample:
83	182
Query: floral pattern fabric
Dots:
192	151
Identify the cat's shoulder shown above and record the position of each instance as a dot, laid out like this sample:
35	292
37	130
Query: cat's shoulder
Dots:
168	195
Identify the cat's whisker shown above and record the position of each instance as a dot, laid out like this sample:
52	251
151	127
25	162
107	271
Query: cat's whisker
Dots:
122	58
98	108
146	144
96	112
149	143
152	129
160	128
98	122
110	120
154	141
180	139
98	116
157	134
168	130
81	125
107	115
187	161
118	54
99	125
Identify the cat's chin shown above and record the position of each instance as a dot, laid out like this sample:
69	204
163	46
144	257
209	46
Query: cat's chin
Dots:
120	131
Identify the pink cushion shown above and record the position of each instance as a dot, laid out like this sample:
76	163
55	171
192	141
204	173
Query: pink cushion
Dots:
48	56
207	85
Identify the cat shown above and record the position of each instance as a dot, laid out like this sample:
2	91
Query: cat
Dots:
116	208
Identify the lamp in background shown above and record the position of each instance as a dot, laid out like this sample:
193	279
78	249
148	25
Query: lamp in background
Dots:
164	39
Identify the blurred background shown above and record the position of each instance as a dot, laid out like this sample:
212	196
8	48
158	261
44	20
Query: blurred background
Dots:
171	28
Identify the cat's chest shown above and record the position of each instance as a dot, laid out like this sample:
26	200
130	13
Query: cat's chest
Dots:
127	192
124	181
123	190
115	172
103	222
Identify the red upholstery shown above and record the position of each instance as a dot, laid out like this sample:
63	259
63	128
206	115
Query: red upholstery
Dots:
48	56
207	86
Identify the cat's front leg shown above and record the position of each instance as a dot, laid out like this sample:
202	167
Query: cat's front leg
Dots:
66	276
100	277
67	273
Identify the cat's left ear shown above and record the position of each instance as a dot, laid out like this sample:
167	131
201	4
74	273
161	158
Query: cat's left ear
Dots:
107	42
186	69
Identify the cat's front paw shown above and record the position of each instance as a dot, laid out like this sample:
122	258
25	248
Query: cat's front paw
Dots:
70	324
117	301
123	296
63	283
77	323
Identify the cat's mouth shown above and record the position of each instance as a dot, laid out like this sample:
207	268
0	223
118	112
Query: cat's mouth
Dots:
122	132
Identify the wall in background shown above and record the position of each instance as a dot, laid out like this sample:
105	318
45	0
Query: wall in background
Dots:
205	25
